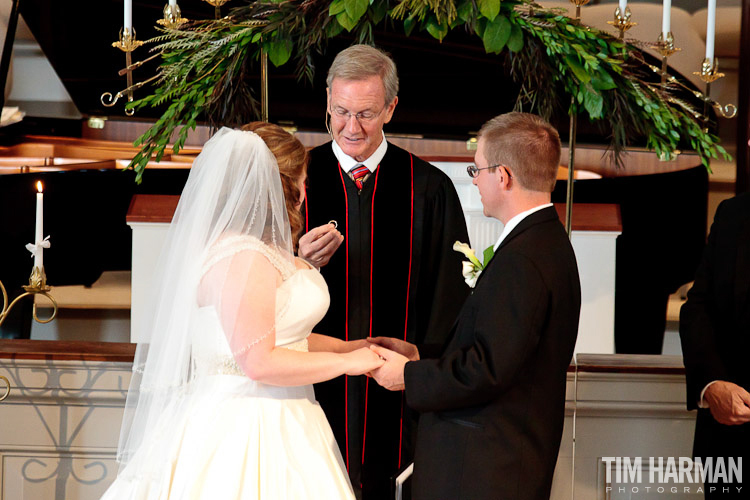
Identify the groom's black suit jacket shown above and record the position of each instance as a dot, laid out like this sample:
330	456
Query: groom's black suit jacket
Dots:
493	404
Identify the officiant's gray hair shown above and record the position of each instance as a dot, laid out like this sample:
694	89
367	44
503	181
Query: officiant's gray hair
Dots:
362	61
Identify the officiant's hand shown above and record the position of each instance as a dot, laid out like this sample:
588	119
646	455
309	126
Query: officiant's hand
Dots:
400	346
391	374
318	245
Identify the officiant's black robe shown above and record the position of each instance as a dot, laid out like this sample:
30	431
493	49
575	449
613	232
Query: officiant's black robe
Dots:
395	275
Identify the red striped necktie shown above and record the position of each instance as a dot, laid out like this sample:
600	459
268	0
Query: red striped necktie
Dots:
359	173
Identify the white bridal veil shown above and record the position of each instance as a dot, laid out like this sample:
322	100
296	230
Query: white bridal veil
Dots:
234	192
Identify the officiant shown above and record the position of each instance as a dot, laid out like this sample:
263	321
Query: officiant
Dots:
380	224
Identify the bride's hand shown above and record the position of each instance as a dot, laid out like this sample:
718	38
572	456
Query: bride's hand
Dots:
362	361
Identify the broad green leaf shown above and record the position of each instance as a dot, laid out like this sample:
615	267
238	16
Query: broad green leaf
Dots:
593	102
489	8
602	81
465	10
515	41
496	35
578	70
409	24
346	21
333	27
436	30
279	50
378	11
480	26
356	8
336	7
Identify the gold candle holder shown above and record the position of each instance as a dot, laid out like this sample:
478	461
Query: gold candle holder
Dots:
709	72
665	46
578	4
622	21
172	17
37	286
217	6
127	43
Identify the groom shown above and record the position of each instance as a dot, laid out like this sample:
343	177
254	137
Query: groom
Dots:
493	402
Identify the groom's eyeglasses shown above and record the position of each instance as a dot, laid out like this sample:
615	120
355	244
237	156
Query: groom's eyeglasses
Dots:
473	170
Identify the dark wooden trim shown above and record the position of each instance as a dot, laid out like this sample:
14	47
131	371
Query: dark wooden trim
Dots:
66	350
152	208
593	216
448	158
124	352
586	216
630	363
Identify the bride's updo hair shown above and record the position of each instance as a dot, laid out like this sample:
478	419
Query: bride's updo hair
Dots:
291	156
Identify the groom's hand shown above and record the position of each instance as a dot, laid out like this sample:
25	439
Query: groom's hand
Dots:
391	374
318	245
400	346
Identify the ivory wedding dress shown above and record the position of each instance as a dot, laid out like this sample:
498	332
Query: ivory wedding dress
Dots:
236	438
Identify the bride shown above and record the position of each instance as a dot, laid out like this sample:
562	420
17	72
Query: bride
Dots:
221	404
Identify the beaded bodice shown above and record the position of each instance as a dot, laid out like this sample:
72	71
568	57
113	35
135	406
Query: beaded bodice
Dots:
301	302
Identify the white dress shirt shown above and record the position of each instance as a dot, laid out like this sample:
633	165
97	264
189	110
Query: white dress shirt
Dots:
515	220
348	163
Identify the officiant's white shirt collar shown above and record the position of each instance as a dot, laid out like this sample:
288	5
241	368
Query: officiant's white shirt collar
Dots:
514	221
347	162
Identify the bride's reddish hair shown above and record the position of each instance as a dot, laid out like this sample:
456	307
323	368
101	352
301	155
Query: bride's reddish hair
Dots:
291	156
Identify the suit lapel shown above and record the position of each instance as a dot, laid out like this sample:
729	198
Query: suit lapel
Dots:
543	215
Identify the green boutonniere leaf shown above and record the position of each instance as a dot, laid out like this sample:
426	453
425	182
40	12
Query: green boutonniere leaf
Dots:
487	255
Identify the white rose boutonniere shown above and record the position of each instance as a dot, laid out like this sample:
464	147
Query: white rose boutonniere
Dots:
472	268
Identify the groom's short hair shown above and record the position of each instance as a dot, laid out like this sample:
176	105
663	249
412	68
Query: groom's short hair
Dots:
527	145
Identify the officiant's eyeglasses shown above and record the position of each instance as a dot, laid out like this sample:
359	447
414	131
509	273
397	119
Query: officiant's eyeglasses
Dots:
361	117
473	170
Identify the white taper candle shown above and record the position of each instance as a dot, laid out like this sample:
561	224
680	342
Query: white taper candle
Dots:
623	4
39	230
710	30
665	20
128	23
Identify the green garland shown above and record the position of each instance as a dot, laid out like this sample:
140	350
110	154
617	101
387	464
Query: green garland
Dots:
205	65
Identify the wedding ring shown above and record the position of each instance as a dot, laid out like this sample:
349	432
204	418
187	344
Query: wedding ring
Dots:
335	224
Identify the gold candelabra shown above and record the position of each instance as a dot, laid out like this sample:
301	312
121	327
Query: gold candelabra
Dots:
709	73
37	286
665	46
127	43
622	21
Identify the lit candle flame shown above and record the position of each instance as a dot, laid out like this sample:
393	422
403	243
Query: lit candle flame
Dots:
39	186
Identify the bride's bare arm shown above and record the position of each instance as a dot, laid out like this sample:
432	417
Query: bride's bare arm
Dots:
246	306
324	343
